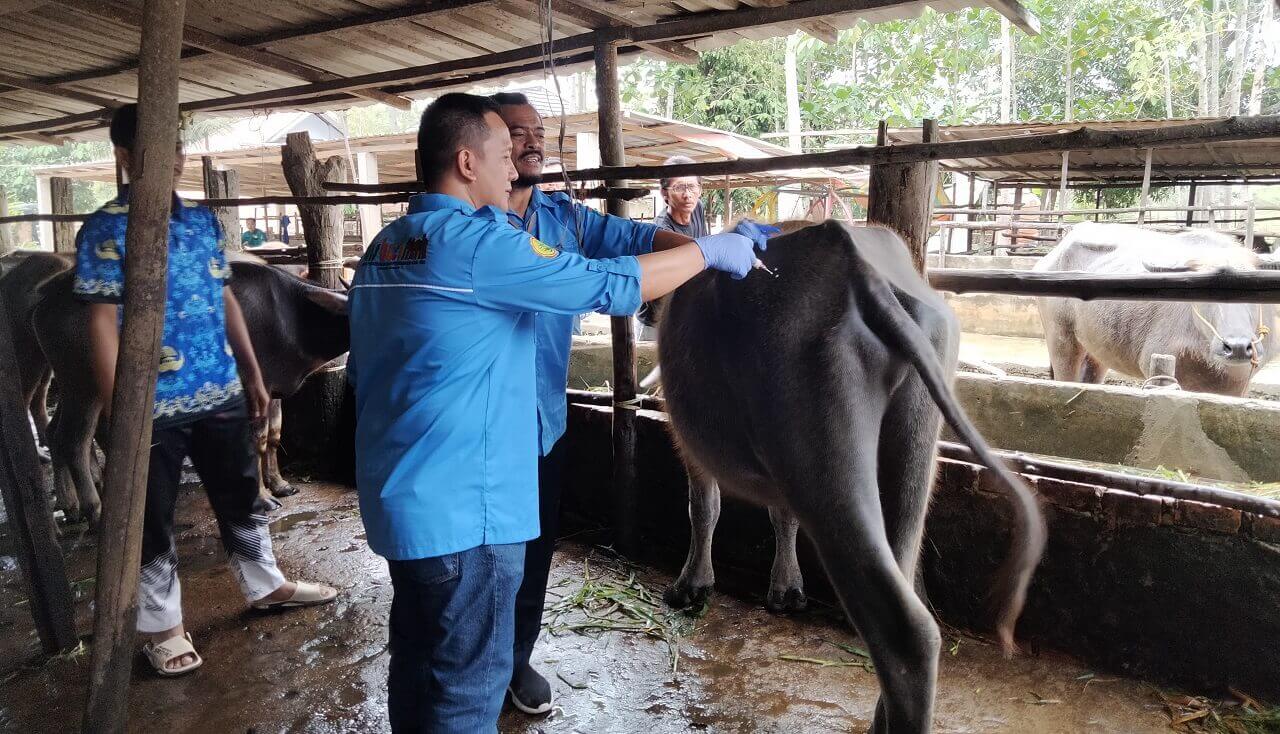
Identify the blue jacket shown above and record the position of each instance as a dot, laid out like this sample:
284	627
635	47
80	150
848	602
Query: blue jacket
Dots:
552	219
442	360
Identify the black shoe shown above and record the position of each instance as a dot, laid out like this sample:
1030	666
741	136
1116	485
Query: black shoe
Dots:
530	692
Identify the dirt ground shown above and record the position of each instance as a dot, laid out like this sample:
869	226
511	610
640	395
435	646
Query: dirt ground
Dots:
323	669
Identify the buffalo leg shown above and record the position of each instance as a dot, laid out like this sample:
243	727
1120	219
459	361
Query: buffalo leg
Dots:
70	446
271	458
266	457
786	584
39	405
908	444
834	493
1093	371
693	587
1066	353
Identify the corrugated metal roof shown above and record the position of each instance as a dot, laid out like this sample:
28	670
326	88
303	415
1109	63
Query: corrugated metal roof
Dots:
1237	159
648	139
56	52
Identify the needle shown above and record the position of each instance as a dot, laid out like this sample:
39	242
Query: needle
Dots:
761	266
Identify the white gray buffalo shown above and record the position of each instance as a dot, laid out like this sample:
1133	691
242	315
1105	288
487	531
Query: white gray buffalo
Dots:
817	394
295	326
1218	347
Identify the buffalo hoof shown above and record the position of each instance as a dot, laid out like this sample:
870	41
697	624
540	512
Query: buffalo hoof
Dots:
786	601
267	503
684	596
283	489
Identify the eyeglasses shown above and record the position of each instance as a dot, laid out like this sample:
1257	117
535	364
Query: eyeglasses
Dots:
685	188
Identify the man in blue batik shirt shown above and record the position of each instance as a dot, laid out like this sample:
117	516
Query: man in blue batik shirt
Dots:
207	370
556	220
443	338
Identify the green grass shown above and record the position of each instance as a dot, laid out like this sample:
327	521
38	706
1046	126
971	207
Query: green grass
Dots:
609	597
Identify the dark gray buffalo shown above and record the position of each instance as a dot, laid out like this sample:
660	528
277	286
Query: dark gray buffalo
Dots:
1218	347
296	327
817	394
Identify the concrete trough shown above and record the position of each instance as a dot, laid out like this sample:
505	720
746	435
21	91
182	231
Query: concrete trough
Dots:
1170	590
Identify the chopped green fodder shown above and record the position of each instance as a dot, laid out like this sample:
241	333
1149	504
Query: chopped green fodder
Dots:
1199	715
861	658
609	597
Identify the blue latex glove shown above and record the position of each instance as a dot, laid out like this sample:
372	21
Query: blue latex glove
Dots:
728	252
757	233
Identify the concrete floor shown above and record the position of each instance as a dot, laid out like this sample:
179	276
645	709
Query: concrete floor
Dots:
323	669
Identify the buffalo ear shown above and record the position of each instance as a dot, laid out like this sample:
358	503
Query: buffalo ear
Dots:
331	301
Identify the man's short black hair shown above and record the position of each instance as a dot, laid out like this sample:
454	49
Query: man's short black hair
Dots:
124	126
510	98
450	123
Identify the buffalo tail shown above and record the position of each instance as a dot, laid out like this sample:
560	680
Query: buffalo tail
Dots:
901	332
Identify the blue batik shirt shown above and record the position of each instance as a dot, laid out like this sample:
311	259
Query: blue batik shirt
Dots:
197	369
551	218
442	360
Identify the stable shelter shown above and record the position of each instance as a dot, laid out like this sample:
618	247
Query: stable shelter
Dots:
70	62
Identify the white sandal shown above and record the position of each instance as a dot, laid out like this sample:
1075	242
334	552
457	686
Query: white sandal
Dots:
171	649
304	595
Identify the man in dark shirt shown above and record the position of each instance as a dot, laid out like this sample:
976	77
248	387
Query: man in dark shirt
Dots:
683	196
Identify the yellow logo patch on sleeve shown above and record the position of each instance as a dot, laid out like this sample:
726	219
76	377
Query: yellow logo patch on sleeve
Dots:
541	249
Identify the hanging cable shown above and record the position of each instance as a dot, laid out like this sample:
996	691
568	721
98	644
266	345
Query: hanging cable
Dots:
546	24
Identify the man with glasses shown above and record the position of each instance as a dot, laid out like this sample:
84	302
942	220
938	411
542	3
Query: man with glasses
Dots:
683	196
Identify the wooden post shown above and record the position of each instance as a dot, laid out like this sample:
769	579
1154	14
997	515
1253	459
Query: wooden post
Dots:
6	238
728	201
968	233
1061	202
64	233
613	153
129	448
1191	202
24	494
223	185
900	195
1248	228
321	224
1013	218
1146	189
1097	204
312	416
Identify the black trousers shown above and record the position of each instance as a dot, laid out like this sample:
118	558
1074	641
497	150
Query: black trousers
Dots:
537	555
221	446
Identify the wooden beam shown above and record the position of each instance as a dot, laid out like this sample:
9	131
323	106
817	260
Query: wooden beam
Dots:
1083	138
626	497
1260	286
113	11
517	60
52	90
602	16
1017	15
822	31
900	196
129	447
61	202
414	11
223	185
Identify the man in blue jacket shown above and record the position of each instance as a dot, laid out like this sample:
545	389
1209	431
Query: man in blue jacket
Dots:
556	220
442	360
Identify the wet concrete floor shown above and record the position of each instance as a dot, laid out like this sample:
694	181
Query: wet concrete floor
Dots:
323	669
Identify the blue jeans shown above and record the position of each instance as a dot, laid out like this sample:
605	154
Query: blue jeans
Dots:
452	632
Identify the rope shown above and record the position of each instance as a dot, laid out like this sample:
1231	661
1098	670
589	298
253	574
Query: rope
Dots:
1263	330
632	404
1159	381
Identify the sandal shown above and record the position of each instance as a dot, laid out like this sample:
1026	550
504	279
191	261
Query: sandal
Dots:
171	649
304	595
